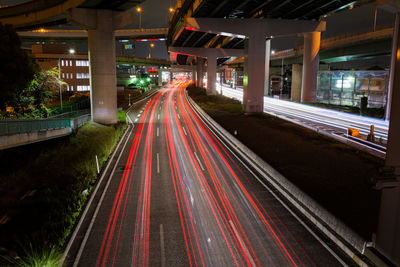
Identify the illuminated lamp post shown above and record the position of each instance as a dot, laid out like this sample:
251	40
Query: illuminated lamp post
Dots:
71	51
139	10
150	47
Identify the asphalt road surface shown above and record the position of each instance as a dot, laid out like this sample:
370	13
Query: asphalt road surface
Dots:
321	118
177	197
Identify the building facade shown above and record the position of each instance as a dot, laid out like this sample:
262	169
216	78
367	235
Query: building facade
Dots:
74	67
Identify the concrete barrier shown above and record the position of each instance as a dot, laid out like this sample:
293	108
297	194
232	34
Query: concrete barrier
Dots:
78	121
19	139
345	238
24	138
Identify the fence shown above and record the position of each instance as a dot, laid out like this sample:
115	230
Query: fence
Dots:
19	126
348	87
70	108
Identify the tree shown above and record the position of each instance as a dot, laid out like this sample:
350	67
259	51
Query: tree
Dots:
39	92
16	68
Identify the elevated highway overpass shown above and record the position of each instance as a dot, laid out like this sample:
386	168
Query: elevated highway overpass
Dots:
82	35
37	13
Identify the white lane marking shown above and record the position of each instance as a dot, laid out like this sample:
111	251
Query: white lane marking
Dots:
138	115
242	243
83	244
162	246
136	119
184	131
158	163
201	165
158	131
158	116
179	117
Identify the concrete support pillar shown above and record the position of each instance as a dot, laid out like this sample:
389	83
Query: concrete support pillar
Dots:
159	73
267	57
101	24
211	74
393	69
200	66
254	73
194	76
101	43
310	66
296	83
388	235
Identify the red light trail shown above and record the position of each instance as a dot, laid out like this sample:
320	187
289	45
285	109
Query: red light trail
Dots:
215	212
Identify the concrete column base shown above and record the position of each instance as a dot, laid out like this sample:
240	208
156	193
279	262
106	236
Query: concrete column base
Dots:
200	66
296	83
310	66
254	74
159	74
211	74
388	234
101	24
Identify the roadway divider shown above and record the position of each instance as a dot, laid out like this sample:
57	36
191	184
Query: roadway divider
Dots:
344	237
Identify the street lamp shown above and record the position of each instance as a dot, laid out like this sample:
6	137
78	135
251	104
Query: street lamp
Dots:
71	51
139	10
151	46
171	10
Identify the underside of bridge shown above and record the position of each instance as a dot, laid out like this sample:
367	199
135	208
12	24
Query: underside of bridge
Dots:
272	9
43	13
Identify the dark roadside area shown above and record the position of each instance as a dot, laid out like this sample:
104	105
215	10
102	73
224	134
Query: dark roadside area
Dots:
335	175
44	186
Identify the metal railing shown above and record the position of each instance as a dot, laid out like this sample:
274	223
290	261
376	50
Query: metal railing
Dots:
21	126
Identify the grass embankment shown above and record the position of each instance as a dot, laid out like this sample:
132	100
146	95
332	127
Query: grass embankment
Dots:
335	175
43	188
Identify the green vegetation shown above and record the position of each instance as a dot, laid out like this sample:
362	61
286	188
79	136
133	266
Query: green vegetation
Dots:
34	257
49	191
214	103
73	104
25	91
32	101
370	112
121	115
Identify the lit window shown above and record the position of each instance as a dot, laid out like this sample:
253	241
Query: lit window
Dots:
63	75
72	88
67	75
70	63
72	75
62	62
